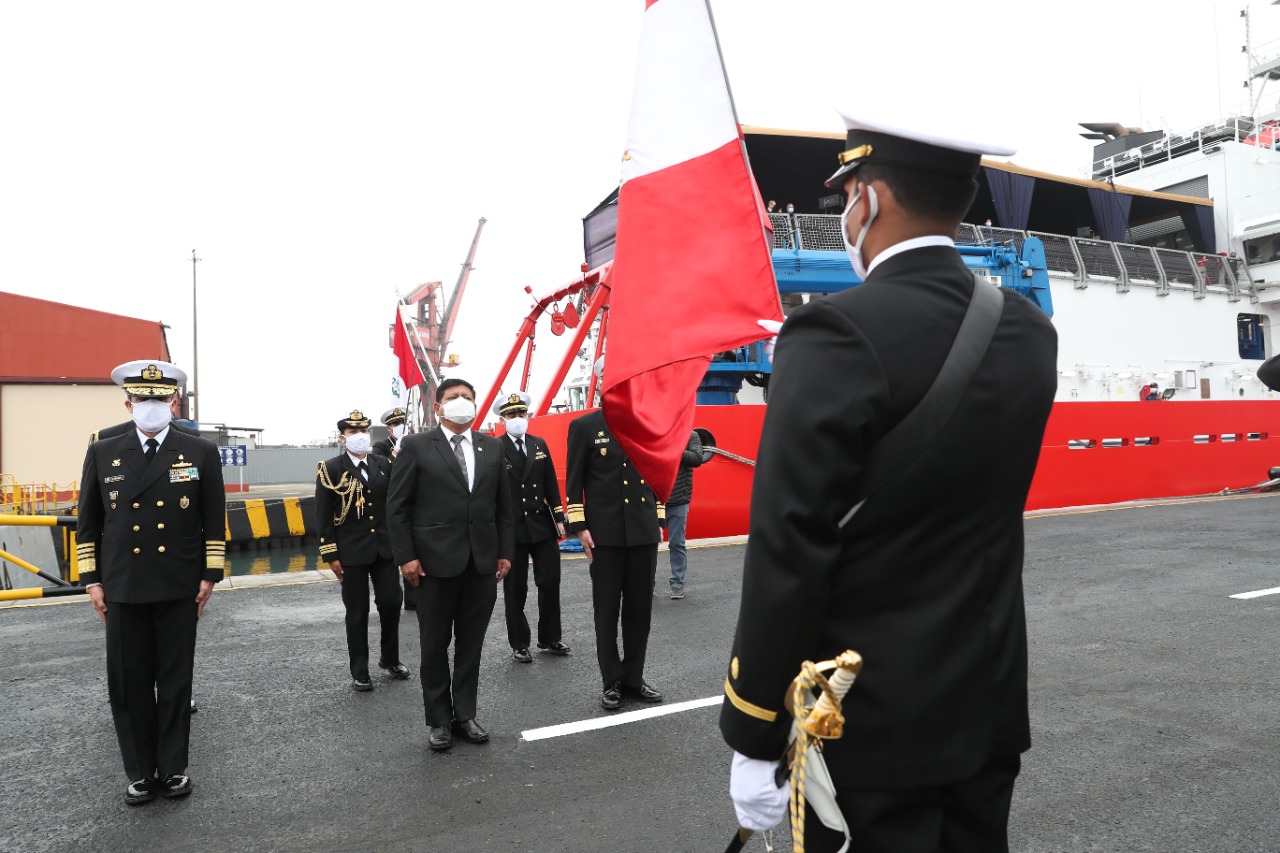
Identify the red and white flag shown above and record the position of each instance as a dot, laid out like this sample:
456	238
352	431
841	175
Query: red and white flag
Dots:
407	362
692	273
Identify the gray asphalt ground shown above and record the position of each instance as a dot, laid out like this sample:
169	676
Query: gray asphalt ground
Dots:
1152	704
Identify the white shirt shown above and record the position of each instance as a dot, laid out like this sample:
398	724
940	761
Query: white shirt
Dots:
468	452
159	437
908	245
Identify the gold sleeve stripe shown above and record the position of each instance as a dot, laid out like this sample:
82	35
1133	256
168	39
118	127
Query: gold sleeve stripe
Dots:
328	549
662	511
746	707
86	557
576	515
215	555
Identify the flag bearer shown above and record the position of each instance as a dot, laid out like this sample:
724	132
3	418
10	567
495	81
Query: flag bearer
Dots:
351	490
151	532
618	520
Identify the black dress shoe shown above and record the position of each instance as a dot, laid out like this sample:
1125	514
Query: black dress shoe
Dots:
556	648
521	656
141	791
441	738
193	706
361	684
397	671
175	785
611	698
471	731
644	692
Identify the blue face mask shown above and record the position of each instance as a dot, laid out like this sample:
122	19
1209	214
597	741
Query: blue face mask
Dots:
854	250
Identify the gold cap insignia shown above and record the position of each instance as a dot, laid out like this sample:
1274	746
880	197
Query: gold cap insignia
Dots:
847	157
356	415
152	373
185	502
514	398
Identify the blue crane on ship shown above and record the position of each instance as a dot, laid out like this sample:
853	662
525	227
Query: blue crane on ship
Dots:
1021	268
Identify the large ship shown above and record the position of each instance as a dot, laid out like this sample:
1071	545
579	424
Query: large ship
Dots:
1160	268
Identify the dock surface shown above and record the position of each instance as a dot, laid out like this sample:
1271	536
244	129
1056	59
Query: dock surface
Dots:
1153	710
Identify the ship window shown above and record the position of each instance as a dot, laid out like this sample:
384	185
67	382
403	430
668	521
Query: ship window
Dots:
1249	329
1262	250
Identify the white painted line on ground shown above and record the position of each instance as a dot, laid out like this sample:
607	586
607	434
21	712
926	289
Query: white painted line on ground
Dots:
618	719
1257	593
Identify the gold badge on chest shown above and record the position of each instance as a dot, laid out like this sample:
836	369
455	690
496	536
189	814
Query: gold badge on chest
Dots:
185	502
115	463
603	451
115	496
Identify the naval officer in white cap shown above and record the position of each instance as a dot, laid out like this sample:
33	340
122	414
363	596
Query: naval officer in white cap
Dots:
151	534
925	581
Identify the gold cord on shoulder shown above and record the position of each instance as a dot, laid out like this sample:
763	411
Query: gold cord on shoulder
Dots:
349	491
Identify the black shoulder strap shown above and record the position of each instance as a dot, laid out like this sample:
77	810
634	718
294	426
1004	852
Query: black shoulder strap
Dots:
914	432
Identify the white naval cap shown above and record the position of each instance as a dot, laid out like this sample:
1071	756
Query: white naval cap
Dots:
902	133
513	402
149	378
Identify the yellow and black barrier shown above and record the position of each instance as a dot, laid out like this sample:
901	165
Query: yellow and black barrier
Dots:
40	592
270	519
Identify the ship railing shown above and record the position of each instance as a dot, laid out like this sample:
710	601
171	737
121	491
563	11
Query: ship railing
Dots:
34	498
1086	260
1205	138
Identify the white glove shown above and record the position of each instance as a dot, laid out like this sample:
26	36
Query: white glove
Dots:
773	326
757	799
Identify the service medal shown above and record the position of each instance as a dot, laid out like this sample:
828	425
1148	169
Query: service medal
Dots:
185	502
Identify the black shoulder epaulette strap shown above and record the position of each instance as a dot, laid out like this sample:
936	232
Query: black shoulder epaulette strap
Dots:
913	433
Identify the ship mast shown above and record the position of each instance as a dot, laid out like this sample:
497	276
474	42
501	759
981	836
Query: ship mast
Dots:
1259	68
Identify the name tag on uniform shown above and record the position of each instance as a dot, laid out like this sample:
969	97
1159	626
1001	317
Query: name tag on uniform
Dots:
117	478
184	475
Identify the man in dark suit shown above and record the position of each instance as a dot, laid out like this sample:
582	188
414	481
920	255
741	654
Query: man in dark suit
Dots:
394	420
451	532
351	491
151	545
618	520
926	581
539	522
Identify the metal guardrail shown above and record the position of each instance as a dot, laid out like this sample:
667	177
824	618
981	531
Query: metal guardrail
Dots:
1086	260
35	497
60	586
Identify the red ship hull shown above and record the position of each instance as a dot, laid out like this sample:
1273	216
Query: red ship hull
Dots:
1093	453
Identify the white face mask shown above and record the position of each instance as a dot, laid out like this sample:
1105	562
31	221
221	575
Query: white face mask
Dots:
397	431
517	427
152	415
358	443
459	410
854	250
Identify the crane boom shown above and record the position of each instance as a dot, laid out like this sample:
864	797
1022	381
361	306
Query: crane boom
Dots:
455	298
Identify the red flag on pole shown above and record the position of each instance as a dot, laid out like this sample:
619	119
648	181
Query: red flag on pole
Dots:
410	373
692	272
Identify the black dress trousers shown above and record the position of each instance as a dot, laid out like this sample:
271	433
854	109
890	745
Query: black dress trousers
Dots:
460	606
515	591
386	597
150	658
622	586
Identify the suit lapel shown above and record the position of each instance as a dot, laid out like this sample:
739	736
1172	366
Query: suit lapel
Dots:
445	449
166	455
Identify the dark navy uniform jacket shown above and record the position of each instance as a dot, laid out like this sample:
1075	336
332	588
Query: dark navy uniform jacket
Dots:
603	491
534	490
151	533
926	581
362	538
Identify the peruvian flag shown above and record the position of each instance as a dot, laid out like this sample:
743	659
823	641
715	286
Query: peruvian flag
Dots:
410	373
692	273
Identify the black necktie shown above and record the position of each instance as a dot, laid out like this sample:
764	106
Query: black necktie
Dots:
520	445
364	471
150	452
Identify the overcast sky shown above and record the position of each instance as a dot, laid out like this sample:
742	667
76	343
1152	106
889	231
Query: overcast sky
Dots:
321	155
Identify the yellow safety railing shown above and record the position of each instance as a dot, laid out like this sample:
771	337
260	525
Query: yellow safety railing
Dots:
27	498
60	587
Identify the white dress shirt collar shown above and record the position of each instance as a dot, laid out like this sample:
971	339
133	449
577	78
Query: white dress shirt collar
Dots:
907	246
159	437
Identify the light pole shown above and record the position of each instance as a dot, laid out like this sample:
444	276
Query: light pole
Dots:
195	340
